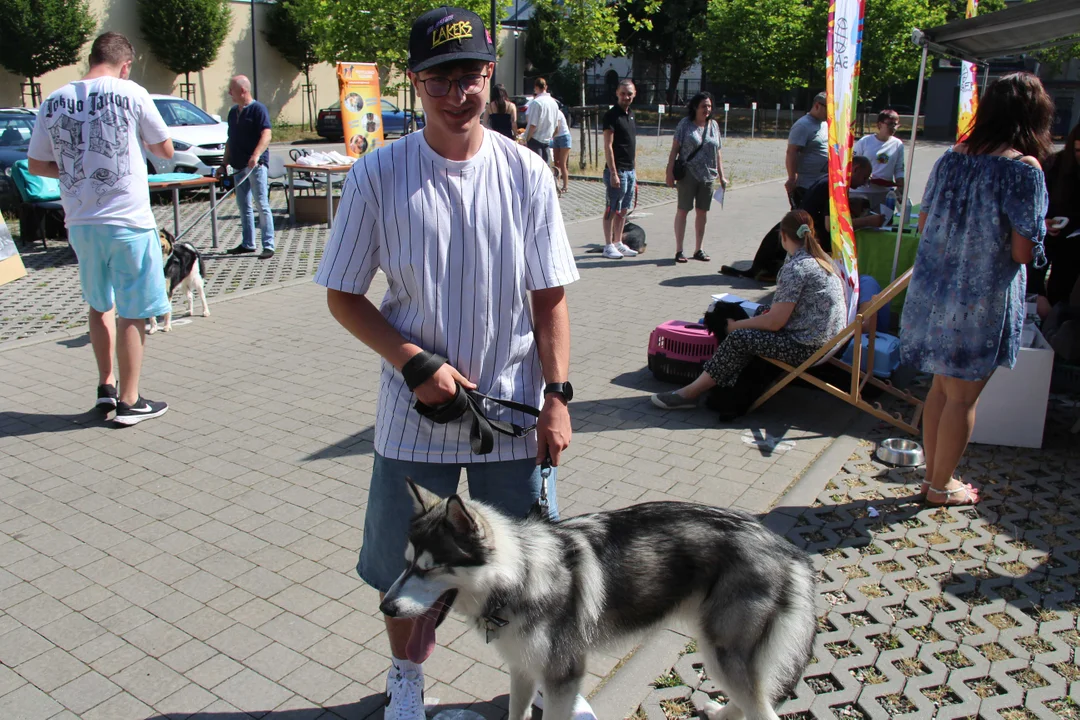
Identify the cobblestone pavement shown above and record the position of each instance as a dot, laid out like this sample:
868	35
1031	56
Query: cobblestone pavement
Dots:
48	299
203	562
936	613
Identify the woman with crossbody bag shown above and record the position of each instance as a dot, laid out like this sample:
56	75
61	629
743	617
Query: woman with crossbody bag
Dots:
694	164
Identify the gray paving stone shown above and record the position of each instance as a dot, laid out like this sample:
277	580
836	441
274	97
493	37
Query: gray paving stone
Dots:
85	692
248	689
28	703
51	669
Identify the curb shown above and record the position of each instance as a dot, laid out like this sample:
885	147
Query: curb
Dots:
626	688
68	334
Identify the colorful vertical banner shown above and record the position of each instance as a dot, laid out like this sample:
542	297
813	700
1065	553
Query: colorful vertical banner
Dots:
361	107
969	87
843	45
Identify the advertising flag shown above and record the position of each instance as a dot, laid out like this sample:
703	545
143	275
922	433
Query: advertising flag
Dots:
843	45
969	87
361	107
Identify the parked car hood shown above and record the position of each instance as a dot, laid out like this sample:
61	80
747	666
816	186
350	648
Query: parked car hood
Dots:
201	134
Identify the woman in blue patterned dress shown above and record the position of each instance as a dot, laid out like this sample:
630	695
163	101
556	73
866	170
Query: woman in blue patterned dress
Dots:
983	217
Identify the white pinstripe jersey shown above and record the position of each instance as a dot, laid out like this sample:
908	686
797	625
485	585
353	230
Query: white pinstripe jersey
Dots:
460	243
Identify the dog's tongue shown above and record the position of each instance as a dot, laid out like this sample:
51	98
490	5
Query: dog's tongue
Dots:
422	641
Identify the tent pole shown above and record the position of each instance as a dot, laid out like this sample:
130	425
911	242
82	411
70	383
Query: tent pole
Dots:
910	163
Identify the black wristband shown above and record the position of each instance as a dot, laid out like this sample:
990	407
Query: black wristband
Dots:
421	367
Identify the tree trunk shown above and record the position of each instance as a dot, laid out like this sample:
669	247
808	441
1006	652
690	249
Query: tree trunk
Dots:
309	101
582	161
674	73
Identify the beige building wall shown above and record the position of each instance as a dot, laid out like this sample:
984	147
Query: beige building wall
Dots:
279	83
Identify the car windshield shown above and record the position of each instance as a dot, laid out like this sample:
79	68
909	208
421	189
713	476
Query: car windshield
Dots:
388	107
179	113
15	130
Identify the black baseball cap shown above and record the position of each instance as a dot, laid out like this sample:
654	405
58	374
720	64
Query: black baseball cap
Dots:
447	34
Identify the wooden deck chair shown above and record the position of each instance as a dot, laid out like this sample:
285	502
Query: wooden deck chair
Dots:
864	322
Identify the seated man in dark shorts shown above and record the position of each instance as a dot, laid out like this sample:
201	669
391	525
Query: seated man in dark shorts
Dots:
770	254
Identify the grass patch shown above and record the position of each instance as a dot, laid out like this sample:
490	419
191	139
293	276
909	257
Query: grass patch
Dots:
669	679
994	652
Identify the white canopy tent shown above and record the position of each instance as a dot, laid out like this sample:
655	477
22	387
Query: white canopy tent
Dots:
1019	29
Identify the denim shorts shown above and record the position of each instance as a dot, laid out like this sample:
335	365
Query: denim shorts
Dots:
121	266
512	486
620	199
561	142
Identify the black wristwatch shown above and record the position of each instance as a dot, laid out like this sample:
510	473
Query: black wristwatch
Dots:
564	388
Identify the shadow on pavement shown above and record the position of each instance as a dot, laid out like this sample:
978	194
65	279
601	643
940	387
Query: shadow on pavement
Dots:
20	424
368	707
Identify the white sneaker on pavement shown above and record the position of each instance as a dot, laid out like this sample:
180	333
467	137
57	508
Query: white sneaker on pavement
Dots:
612	253
582	709
405	693
625	250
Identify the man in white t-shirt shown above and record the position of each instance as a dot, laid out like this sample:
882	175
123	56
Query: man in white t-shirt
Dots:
465	224
886	153
90	135
543	117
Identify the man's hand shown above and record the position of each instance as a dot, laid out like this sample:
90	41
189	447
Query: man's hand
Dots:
441	387
253	161
670	179
221	172
552	429
615	181
723	182
790	185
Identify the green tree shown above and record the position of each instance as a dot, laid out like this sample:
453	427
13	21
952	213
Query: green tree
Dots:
184	35
888	55
544	41
378	31
763	44
672	40
295	28
41	36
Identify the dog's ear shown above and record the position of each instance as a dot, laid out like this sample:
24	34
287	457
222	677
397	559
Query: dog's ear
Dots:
422	500
459	517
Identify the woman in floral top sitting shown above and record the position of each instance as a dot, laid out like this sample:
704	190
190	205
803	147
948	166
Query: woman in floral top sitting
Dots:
808	309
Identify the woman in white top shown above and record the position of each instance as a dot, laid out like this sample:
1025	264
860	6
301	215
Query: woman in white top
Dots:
560	146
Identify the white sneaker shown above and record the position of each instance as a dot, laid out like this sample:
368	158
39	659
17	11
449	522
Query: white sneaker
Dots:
625	250
611	252
405	694
582	709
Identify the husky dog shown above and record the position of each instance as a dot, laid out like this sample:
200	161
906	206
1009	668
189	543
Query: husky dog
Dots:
548	592
184	269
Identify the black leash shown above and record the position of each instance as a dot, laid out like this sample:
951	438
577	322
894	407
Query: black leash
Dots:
465	402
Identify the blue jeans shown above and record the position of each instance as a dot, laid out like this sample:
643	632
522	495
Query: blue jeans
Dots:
511	486
258	185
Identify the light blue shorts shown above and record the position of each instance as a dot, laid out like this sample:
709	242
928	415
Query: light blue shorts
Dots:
620	199
511	486
121	266
561	142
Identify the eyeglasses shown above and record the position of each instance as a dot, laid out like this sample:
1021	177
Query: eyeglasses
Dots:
891	123
440	86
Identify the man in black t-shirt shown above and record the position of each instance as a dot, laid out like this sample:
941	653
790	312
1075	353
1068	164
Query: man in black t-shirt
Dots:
620	152
249	136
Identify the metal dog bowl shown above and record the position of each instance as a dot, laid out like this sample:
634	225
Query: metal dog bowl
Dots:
898	451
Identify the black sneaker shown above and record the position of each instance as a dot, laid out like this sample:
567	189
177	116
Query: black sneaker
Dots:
239	250
266	254
106	398
141	410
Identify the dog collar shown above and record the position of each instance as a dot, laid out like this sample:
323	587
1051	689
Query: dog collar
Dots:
492	622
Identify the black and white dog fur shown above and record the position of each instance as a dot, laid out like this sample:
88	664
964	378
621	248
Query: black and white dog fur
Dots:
552	591
184	268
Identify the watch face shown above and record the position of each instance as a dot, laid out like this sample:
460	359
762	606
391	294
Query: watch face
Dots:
565	389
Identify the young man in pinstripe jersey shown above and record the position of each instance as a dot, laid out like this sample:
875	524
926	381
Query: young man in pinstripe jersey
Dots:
465	224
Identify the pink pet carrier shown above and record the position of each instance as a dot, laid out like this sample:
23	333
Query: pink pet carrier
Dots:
678	349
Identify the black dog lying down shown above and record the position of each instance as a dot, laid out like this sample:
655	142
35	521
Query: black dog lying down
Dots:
733	402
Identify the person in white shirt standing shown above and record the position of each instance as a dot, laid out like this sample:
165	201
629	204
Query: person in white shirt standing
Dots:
465	225
543	118
886	153
90	135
